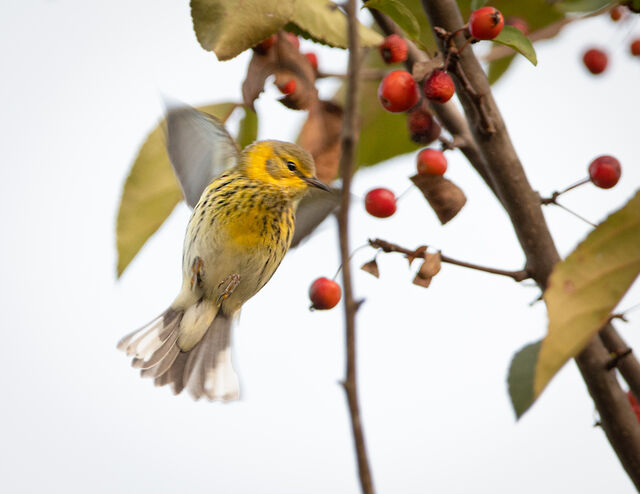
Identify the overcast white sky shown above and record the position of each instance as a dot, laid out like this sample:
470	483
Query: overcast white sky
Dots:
80	87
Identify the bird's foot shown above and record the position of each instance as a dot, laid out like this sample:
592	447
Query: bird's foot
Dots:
230	283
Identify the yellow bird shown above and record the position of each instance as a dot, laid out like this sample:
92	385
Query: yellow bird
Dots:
241	227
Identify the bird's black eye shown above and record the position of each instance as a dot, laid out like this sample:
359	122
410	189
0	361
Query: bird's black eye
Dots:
291	166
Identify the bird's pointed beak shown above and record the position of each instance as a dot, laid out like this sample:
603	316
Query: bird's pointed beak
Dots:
314	182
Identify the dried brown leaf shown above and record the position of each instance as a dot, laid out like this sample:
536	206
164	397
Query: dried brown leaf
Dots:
419	252
430	267
320	135
286	62
371	267
444	197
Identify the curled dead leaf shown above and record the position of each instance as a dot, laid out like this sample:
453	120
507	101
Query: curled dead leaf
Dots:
430	267
320	135
419	252
371	267
444	197
285	61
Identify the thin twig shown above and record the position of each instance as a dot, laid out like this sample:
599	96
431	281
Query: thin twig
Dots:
574	213
385	246
347	158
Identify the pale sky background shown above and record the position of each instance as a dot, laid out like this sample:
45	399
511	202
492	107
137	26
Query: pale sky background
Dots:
81	86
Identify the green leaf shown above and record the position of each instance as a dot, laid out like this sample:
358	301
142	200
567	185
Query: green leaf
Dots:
512	37
497	68
324	22
581	5
228	28
248	131
476	4
581	293
520	380
400	14
150	192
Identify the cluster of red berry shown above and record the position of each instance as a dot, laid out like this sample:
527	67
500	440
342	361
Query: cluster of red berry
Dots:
287	87
596	60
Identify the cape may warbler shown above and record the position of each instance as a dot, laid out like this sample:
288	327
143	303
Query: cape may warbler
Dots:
239	231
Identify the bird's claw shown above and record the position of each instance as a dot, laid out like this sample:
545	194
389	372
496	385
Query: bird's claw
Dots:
231	283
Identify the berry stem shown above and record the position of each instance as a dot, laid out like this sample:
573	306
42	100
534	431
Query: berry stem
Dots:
574	213
349	260
556	194
385	246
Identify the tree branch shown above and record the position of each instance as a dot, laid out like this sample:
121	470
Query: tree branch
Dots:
627	364
523	206
347	158
519	275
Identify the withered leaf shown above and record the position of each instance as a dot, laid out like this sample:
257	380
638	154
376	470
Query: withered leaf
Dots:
286	62
430	267
371	267
419	252
444	197
320	135
423	69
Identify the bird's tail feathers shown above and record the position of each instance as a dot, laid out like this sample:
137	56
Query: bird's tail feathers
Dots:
205	369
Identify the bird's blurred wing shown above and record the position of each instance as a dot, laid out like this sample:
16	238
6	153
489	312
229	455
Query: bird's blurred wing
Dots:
199	147
312	210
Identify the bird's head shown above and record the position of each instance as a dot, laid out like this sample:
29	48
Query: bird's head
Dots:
281	164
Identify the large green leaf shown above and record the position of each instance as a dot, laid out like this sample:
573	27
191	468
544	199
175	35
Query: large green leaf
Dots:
400	14
228	28
498	67
513	38
323	21
581	293
150	192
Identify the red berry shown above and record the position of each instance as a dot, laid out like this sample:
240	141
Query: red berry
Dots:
288	87
635	47
617	12
439	87
393	49
380	202
431	162
605	171
324	294
398	91
422	126
293	39
485	23
518	23
263	47
595	60
313	60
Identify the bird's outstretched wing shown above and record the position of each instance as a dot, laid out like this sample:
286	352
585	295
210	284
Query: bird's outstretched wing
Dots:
199	147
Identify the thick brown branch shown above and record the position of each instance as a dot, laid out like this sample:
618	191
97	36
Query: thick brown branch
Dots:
519	275
347	158
523	206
